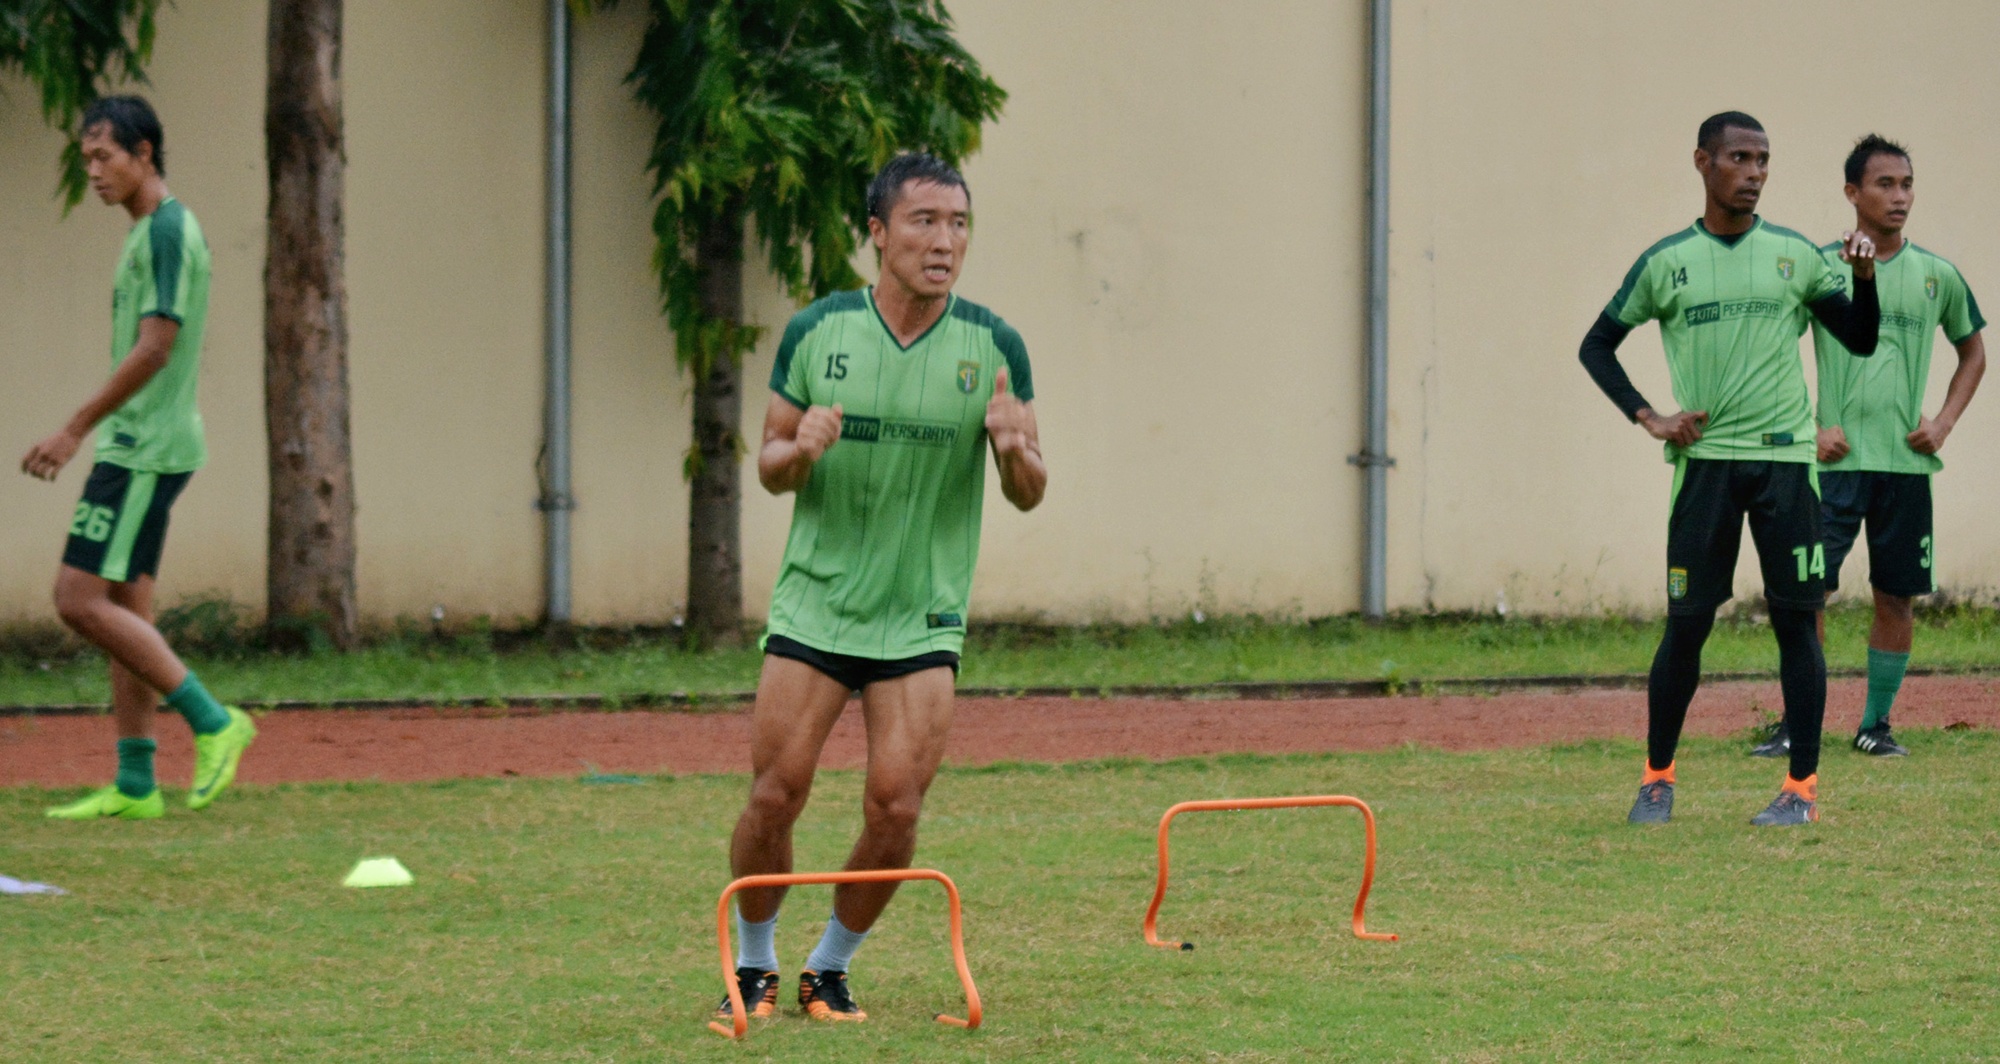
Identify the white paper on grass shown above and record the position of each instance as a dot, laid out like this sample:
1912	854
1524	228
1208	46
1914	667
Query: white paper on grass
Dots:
10	885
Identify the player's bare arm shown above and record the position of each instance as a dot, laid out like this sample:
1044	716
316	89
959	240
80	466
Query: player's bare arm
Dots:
1930	434
149	356
794	440
1017	447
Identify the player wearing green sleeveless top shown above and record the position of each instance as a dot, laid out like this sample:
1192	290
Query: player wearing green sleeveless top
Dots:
884	404
149	442
1877	450
1732	294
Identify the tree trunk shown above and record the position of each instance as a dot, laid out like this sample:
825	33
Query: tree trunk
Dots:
310	575
715	492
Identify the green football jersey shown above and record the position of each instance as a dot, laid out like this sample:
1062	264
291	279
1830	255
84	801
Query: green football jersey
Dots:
885	531
1877	400
1730	319
162	272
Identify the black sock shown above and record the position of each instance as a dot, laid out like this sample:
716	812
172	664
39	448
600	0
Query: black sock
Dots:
1802	674
1676	674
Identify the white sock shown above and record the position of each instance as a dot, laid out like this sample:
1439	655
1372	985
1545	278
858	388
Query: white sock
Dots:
757	944
836	947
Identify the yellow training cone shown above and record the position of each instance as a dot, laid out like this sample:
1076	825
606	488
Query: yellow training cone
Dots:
379	872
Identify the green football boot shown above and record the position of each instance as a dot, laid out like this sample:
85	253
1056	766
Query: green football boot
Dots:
216	757
112	802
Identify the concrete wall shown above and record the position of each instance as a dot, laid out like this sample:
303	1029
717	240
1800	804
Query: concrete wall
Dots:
1534	159
1171	211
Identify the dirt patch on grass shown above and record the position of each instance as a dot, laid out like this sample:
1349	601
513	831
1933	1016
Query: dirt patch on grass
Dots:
425	744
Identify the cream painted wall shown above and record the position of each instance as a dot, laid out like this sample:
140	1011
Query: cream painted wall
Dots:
1171	212
1534	159
55	320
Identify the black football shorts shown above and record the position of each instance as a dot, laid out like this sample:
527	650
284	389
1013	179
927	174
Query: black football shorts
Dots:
1712	497
1897	510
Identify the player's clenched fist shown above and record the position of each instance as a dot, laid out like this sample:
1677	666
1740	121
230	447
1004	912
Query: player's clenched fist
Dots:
1009	422
1682	429
1859	252
818	430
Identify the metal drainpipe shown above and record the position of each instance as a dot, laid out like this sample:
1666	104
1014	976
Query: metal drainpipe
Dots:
556	502
1374	458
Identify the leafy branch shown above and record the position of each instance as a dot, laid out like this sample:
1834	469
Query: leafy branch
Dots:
71	49
777	113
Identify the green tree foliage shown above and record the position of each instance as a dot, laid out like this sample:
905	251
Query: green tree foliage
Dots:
71	49
777	113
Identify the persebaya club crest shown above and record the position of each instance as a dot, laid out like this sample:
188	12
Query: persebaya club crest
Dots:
968	377
1785	268
1677	583
1930	288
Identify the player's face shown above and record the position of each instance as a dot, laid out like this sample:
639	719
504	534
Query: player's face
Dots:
1882	200
1735	171
923	244
114	173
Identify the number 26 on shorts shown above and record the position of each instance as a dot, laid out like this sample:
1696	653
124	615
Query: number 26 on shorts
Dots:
92	522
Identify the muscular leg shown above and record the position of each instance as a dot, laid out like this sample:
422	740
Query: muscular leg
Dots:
908	719
87	604
796	707
1671	685
1895	624
1888	655
133	701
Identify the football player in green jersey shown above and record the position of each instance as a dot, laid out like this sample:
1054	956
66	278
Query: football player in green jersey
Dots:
149	442
884	404
1877	449
1732	293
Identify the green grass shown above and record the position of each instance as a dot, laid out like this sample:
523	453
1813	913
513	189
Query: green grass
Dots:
556	921
474	667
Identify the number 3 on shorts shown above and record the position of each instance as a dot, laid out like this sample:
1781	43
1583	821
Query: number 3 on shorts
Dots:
1811	563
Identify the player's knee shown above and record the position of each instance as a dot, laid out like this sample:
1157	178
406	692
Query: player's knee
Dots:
1797	629
1685	635
892	813
777	800
76	607
1900	608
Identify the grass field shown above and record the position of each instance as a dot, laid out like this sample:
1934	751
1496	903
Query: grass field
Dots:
477	665
553	920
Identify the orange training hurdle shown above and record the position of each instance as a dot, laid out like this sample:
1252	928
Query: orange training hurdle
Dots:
742	1021
1367	867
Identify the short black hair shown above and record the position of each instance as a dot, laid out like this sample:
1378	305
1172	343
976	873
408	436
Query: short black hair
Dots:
131	120
1711	130
887	188
1867	148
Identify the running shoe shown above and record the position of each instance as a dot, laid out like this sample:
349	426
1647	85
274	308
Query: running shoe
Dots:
824	997
1877	742
759	990
1787	809
1777	743
112	802
1655	804
216	757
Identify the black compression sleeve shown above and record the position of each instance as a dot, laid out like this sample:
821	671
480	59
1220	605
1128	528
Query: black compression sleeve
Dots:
1855	323
1600	356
